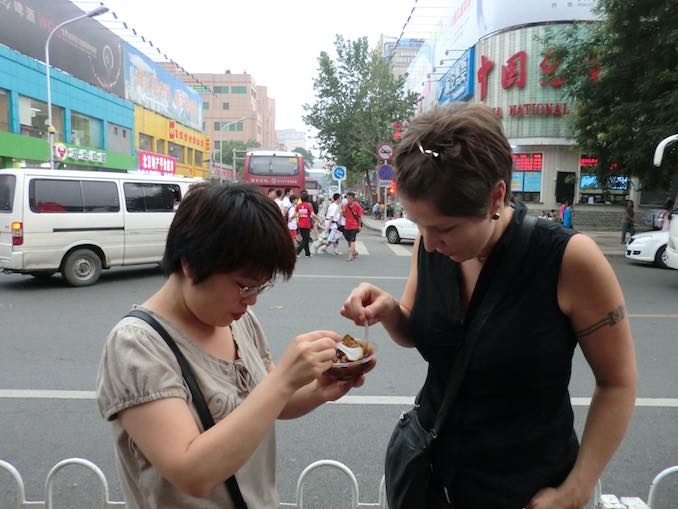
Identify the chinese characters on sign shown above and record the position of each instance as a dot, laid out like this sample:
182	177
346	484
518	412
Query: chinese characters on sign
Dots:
457	83
515	71
527	162
176	133
156	163
63	152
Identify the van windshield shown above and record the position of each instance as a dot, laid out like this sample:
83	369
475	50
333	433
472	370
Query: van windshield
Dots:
7	184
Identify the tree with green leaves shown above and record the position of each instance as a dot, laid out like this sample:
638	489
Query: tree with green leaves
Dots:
308	157
357	100
228	146
622	74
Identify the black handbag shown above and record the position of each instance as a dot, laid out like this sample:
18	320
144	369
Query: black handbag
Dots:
409	454
198	399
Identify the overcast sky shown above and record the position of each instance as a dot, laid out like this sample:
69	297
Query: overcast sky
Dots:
277	42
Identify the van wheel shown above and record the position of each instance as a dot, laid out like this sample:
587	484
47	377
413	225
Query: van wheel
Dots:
82	268
43	275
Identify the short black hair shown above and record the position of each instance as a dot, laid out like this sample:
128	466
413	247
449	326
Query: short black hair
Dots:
350	193
223	228
336	196
304	195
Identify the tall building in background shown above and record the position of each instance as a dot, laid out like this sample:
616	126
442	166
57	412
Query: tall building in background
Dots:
291	138
234	107
400	56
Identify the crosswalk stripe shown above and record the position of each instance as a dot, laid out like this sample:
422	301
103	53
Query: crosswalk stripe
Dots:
399	250
361	248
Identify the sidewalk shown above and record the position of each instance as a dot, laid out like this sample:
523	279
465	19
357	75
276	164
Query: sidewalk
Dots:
608	242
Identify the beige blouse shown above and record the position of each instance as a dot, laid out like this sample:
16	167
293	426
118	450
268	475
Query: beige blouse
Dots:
137	366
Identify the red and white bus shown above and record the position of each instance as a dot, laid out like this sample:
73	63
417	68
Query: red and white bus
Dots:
313	188
275	168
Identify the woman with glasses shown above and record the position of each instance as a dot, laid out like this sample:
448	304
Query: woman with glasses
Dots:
224	247
500	301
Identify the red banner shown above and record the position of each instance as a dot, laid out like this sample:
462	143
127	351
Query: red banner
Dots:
157	163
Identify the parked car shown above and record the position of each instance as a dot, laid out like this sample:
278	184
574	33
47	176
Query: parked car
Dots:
648	247
399	229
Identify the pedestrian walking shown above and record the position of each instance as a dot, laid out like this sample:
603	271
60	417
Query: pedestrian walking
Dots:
666	214
352	212
628	222
567	215
304	224
496	302
332	224
225	245
292	219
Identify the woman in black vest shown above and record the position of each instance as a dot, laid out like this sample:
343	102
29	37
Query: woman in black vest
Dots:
508	441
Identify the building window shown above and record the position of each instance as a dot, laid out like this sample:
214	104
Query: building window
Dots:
117	139
205	106
238	90
198	158
254	93
226	106
221	90
145	142
4	110
217	126
86	131
176	151
189	156
33	118
160	146
217	145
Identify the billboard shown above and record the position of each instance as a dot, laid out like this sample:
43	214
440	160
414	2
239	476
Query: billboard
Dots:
147	85
83	48
457	83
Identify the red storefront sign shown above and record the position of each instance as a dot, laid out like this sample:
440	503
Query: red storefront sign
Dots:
527	162
157	163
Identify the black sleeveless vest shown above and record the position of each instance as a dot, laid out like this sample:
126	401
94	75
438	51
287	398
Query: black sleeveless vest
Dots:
510	432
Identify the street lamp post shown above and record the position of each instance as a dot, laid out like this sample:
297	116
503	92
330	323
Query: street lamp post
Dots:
222	125
50	128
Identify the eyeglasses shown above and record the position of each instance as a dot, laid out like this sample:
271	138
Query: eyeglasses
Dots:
427	151
250	291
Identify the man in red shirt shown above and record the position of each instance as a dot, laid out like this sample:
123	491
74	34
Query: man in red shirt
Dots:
353	213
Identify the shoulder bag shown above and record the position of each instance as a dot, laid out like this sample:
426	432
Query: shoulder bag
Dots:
409	458
198	398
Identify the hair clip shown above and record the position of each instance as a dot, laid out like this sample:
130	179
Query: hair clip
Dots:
427	151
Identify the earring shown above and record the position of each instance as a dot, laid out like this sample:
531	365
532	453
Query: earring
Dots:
496	216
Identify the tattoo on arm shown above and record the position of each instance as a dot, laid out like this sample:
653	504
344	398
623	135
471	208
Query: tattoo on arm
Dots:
612	318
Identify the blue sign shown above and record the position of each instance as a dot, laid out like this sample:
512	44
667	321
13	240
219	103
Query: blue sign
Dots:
532	182
457	82
339	172
385	172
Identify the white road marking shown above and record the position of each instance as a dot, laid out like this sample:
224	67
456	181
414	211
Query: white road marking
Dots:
346	400
361	248
399	250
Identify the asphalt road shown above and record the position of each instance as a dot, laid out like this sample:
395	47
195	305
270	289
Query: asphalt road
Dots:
51	337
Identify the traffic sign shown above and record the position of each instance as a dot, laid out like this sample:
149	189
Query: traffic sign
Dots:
385	172
339	173
385	151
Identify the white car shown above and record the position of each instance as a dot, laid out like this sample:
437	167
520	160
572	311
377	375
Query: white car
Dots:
399	229
648	247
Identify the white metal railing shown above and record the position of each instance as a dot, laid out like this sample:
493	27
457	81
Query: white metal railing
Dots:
600	501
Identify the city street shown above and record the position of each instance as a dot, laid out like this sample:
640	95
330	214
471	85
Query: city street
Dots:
52	334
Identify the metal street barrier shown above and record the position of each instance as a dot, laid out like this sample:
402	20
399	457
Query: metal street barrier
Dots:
600	501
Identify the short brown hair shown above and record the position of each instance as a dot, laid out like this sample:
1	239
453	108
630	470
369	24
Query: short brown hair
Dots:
222	228
453	156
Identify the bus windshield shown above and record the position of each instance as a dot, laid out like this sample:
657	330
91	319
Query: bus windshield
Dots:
312	184
273	165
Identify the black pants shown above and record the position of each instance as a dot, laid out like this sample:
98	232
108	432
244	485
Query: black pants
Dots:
305	239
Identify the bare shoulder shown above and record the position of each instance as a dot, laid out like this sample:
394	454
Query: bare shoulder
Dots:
586	277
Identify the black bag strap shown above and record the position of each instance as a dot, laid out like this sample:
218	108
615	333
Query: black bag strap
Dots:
504	272
198	399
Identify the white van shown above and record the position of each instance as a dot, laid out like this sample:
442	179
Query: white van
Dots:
672	243
80	222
